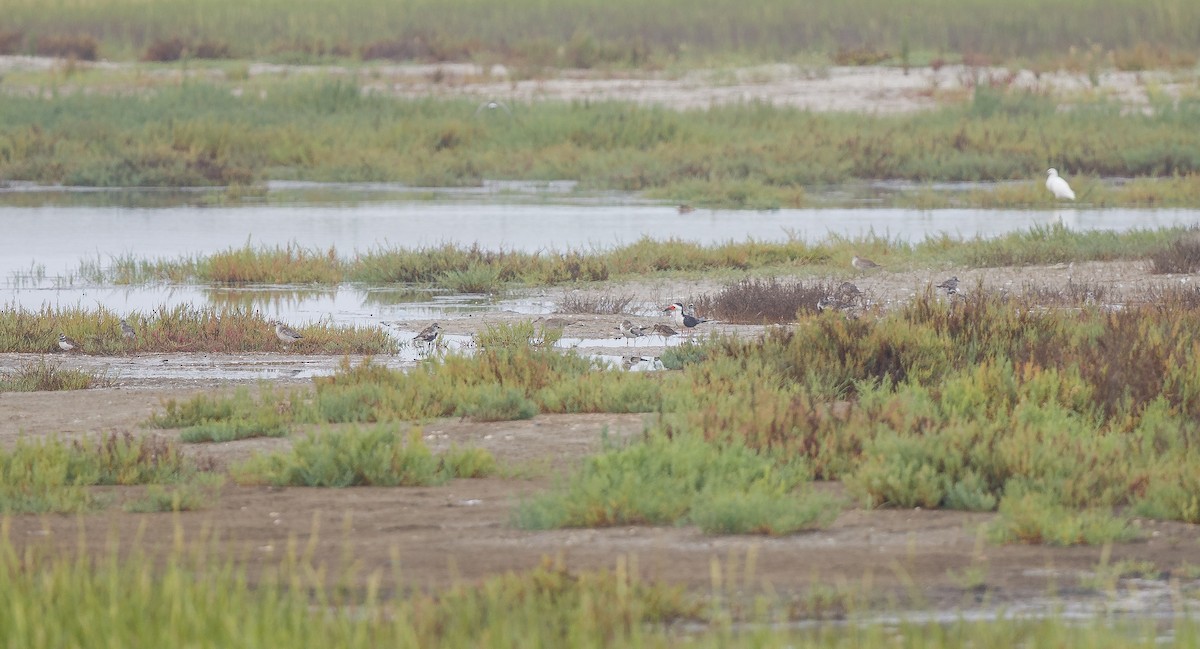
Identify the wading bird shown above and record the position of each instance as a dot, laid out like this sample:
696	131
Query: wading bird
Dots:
1058	186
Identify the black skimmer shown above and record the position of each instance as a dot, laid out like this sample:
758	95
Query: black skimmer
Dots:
66	344
682	318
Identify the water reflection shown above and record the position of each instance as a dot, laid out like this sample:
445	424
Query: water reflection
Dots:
58	237
343	305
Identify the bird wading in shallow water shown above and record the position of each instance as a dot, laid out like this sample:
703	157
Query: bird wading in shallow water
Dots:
1058	186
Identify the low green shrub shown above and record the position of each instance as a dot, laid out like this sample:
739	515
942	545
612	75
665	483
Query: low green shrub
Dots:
1037	518
667	480
359	457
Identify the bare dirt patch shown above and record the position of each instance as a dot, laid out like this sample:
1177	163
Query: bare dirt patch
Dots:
463	530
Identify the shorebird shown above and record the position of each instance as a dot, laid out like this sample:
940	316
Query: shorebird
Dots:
862	263
127	332
630	330
553	323
1058	186
66	344
428	334
681	317
284	333
684	208
848	291
950	285
663	330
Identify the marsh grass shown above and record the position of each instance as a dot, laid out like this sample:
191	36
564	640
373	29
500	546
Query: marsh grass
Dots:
43	375
606	304
325	128
182	328
1071	34
52	476
430	267
374	456
170	601
1034	518
206	418
1181	256
194	495
661	481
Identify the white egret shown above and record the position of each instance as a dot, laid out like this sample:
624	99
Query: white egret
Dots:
1058	186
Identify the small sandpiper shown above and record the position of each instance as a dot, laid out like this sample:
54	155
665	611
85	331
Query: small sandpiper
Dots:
66	344
630	330
848	291
663	330
127	332
950	285
284	333
553	323
862	263
684	208
428	334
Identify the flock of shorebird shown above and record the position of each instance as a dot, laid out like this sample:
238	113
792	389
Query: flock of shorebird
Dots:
846	295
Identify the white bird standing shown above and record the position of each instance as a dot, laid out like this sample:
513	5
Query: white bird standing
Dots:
1058	186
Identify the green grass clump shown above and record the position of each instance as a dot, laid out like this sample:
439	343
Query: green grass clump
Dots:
182	328
361	457
289	265
1035	518
725	489
53	476
432	266
193	495
204	418
40	375
497	403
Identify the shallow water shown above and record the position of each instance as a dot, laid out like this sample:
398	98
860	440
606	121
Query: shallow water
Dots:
50	238
59	237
